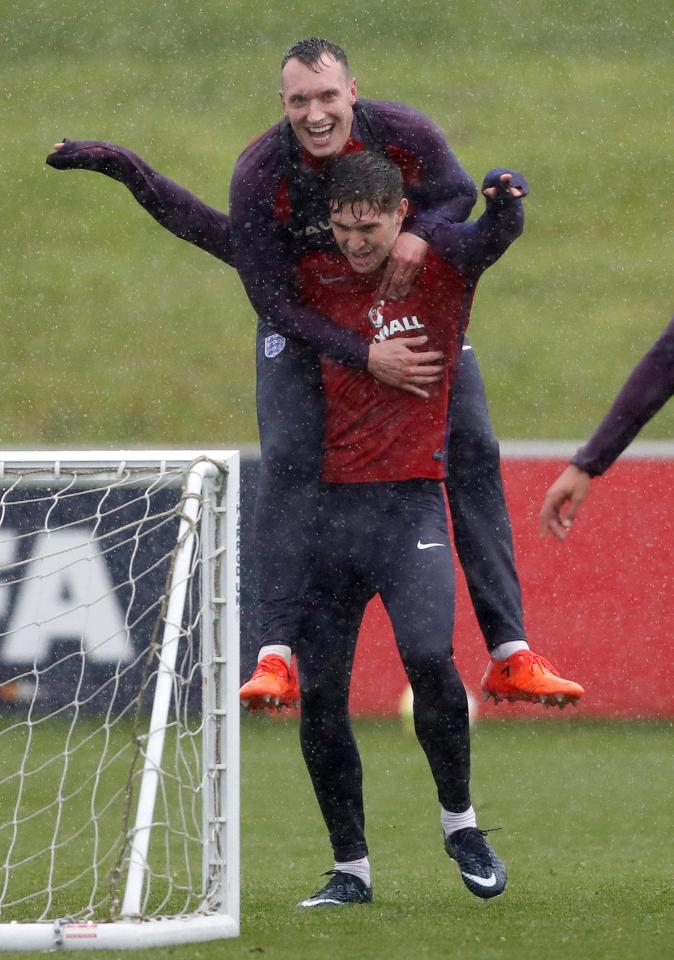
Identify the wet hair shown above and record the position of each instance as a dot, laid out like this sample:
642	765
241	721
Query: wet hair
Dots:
365	180
313	51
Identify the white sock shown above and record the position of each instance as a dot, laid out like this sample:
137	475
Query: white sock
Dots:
505	650
357	868
457	821
279	649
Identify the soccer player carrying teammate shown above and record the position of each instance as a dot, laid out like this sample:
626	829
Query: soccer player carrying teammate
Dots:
279	214
645	391
383	515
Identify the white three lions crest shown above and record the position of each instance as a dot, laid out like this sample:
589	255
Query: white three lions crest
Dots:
273	345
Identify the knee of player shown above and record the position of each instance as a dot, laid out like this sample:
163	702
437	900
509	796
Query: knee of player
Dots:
323	722
439	693
427	666
322	699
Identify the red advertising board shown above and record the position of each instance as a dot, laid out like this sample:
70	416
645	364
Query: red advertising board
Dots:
600	606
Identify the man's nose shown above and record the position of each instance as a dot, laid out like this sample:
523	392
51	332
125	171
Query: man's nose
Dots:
356	244
315	112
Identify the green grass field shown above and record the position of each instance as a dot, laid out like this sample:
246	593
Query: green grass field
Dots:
116	333
585	812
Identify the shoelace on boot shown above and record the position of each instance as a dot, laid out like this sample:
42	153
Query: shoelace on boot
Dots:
538	661
276	666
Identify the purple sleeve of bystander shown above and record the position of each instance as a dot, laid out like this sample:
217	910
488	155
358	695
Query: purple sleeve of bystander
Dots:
645	391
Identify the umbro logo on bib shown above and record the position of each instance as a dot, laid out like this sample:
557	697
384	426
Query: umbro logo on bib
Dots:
273	345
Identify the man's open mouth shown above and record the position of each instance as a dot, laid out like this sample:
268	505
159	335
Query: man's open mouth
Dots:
320	134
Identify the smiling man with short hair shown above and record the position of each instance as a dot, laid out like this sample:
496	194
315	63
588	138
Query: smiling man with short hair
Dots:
318	102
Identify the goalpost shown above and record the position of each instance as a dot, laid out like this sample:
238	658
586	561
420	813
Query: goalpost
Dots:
119	711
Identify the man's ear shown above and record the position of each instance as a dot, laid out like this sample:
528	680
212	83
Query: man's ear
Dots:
283	101
353	90
401	211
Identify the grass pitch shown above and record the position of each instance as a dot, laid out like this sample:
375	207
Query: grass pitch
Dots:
585	811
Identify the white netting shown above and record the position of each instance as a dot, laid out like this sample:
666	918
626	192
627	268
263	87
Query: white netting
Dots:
83	586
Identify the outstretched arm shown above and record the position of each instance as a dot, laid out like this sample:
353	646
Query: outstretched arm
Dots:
645	391
474	246
174	207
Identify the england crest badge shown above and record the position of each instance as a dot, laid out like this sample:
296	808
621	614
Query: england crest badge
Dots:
376	316
273	345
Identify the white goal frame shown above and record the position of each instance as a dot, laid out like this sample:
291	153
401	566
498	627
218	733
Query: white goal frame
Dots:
211	475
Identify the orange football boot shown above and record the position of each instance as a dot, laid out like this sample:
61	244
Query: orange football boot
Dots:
273	685
527	676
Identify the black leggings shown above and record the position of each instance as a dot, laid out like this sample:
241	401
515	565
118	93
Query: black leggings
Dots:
482	532
290	416
373	539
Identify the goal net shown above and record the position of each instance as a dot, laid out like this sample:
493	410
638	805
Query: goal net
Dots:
119	674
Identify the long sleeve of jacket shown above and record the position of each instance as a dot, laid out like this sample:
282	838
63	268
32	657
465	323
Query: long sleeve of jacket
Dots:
174	207
645	391
473	246
437	186
267	267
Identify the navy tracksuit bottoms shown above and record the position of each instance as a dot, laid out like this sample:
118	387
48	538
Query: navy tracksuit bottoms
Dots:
391	539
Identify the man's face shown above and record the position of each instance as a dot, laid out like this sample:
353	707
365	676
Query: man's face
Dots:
365	235
319	104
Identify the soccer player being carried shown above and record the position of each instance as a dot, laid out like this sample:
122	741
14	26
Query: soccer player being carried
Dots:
279	214
384	525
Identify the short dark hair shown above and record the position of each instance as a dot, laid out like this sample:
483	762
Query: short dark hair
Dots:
365	178
312	51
